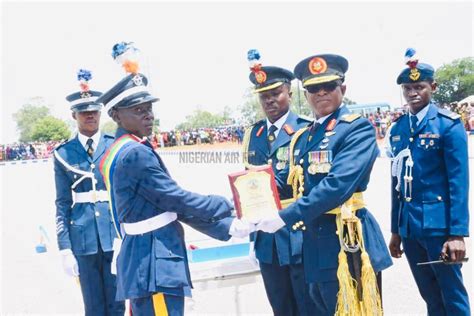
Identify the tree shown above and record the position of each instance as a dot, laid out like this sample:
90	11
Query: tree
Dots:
202	119
50	128
455	80
110	127
27	117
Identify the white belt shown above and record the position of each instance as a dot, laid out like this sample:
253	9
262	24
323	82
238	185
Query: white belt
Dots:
148	225
91	196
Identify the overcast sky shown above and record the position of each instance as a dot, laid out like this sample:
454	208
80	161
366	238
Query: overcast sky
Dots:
195	53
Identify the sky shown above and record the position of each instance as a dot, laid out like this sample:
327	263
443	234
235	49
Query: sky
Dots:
194	53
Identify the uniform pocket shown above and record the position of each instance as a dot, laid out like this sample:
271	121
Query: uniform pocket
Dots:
434	215
170	269
78	240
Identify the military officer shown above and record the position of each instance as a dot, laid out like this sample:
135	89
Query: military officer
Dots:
331	164
84	226
430	185
267	142
148	205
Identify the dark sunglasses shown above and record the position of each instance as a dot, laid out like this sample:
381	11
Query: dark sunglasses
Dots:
327	86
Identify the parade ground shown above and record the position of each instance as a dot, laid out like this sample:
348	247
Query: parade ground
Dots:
34	283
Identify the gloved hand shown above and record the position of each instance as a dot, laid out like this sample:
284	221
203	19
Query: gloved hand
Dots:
252	256
116	248
241	228
69	263
270	224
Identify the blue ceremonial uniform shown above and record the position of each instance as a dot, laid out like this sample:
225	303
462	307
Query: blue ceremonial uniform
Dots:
350	149
156	261
434	204
84	226
280	254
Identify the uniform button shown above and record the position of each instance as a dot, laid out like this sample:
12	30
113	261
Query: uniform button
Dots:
92	166
97	213
294	227
440	198
301	161
408	199
303	228
72	222
269	161
411	139
300	222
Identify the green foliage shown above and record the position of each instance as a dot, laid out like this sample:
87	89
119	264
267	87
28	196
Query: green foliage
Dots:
50	128
109	128
455	80
27	117
203	119
251	110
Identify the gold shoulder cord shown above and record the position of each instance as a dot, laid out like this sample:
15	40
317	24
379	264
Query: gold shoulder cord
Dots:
296	175
245	148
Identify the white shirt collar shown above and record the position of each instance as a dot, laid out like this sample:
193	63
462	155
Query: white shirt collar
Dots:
279	123
83	139
421	115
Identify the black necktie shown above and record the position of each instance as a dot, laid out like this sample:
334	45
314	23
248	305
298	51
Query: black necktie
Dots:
414	121
271	134
90	150
313	130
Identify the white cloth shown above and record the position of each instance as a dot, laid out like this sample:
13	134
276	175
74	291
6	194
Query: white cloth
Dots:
69	263
252	256
278	123
83	140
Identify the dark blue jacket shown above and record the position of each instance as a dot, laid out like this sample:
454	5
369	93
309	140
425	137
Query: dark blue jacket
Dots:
81	226
354	149
440	187
288	245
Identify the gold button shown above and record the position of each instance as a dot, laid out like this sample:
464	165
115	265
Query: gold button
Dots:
294	227
408	199
97	213
411	139
303	228
440	198
301	222
297	224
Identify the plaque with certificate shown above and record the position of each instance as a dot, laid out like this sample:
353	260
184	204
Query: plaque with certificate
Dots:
255	193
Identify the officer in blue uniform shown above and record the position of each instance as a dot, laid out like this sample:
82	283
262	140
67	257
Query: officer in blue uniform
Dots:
267	142
84	226
152	266
430	185
331	161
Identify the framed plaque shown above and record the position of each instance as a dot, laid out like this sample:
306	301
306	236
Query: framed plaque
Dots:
255	193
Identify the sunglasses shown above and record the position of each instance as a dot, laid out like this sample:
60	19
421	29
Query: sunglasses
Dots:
327	86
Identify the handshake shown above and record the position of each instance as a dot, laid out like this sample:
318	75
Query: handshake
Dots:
241	228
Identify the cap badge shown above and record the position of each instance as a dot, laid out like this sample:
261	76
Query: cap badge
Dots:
317	65
85	94
414	74
137	80
260	76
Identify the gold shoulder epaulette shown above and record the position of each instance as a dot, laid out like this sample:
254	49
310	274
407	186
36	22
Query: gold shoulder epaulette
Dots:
349	118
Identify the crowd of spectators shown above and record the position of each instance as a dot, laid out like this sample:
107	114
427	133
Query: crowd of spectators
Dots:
381	120
25	151
198	136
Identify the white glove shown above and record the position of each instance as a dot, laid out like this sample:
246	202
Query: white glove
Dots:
270	224
69	263
252	255
116	248
240	228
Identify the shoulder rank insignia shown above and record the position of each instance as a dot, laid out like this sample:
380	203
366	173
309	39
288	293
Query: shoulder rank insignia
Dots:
260	130
288	129
449	114
349	118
